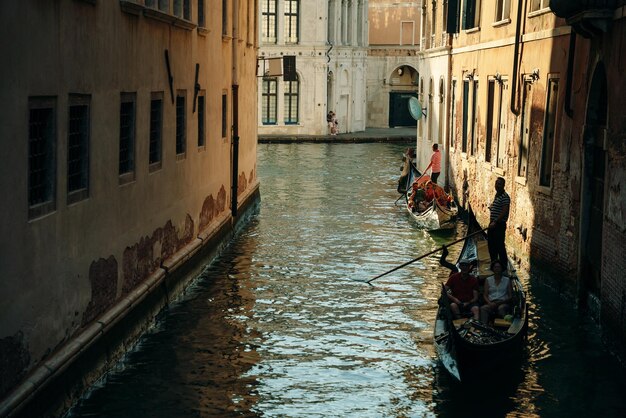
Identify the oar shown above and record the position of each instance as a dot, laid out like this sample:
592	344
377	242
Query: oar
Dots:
424	255
405	193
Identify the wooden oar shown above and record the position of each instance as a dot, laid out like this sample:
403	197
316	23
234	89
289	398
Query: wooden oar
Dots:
424	255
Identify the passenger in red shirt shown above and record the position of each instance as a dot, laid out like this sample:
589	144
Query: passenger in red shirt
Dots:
435	163
462	290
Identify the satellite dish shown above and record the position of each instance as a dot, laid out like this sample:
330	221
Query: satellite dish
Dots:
415	108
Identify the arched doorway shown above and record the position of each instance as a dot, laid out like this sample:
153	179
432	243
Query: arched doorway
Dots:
403	83
593	179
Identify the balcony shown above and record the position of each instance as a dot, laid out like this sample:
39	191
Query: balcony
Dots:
588	18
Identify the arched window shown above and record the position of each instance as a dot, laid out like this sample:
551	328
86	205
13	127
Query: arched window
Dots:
292	100
269	103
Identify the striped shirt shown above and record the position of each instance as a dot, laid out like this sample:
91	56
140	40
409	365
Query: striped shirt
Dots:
497	206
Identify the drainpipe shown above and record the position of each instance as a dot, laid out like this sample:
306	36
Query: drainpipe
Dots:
235	81
516	53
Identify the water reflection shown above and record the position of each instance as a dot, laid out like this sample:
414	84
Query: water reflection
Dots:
280	325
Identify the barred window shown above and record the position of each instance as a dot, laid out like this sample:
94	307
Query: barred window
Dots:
127	137
292	99
269	108
78	148
224	115
201	120
156	130
181	133
41	156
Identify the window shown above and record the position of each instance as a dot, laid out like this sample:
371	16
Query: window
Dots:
291	21
496	120
269	102
547	150
474	119
423	28
182	8
292	91
127	138
453	138
201	18
224	115
431	108
501	132
536	5
181	132
41	156
201	119
156	131
268	21
503	8
524	146
78	148
471	14
420	122
162	5
466	117
224	17
433	25
492	122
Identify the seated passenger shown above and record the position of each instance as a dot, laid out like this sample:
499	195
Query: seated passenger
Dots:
497	293
462	290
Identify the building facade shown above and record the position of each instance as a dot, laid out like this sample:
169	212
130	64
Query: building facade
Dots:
129	130
537	98
392	62
328	40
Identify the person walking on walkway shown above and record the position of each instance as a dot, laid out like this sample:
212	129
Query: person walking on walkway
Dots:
499	215
435	164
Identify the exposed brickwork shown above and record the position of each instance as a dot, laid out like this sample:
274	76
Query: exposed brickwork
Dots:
613	297
103	279
143	258
14	358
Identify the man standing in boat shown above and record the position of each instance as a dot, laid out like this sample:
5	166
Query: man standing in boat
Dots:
499	209
435	164
462	290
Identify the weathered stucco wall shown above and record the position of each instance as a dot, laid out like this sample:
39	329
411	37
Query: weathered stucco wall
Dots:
63	270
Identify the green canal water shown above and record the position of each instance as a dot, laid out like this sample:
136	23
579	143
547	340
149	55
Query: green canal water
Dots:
280	326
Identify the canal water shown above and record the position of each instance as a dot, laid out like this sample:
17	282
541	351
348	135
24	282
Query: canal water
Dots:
282	324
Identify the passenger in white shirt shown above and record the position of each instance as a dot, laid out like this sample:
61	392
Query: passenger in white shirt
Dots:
497	293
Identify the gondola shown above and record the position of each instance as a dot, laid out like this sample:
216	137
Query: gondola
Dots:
437	215
469	349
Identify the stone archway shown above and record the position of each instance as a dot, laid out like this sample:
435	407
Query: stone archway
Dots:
593	186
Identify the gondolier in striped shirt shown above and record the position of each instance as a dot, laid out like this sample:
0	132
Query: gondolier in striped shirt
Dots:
499	209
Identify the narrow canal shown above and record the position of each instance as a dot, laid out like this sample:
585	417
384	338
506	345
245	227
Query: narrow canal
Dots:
280	326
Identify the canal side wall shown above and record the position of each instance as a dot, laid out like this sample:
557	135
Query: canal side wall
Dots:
118	160
64	376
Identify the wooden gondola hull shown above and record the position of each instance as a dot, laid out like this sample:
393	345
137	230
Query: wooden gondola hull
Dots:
462	351
435	217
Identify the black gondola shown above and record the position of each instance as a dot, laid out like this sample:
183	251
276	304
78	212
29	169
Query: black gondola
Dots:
435	216
467	348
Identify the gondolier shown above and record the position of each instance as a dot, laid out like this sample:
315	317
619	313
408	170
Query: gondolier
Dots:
499	209
435	164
